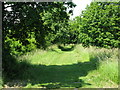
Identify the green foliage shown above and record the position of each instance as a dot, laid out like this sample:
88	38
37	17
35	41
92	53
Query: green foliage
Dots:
17	48
37	30
14	45
28	26
49	24
74	26
32	42
99	25
43	23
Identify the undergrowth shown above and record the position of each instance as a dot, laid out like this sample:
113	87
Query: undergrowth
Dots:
108	62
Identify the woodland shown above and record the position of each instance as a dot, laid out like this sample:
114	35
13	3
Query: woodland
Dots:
43	48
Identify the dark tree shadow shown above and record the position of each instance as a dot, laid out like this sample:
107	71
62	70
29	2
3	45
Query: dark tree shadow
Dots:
63	48
55	76
11	68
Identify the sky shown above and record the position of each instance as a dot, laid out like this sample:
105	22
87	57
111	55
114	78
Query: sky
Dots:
81	4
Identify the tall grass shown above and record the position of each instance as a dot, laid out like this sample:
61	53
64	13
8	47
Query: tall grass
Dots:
108	62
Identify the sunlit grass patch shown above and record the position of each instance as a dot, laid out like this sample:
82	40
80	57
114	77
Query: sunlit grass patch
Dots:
55	56
109	70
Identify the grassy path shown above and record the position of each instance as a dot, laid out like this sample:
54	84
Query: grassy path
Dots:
58	57
57	68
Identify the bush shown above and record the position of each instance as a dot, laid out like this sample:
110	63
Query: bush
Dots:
16	47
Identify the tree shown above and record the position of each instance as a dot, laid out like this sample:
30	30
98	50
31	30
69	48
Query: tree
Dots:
100	24
33	24
29	25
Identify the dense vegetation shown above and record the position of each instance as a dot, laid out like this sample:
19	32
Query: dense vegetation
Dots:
29	26
99	25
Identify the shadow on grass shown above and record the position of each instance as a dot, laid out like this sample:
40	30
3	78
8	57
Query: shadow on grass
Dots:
52	76
63	48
